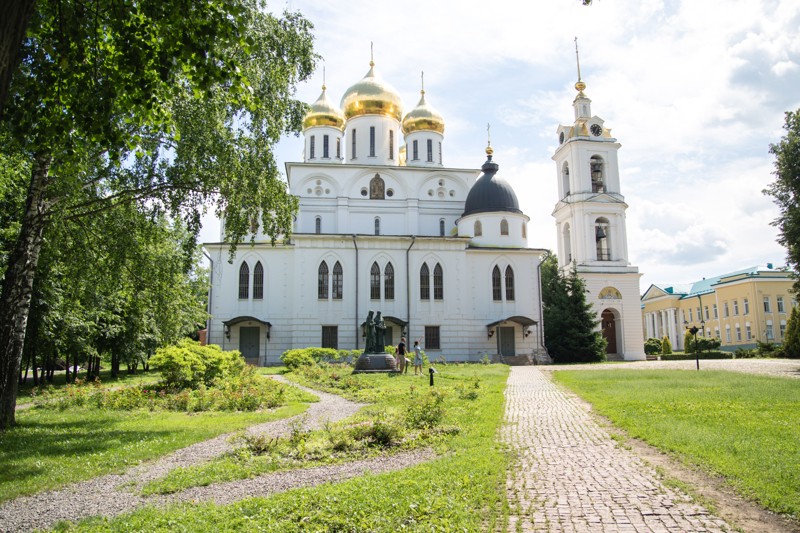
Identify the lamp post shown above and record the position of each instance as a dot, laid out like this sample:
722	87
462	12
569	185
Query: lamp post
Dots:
693	330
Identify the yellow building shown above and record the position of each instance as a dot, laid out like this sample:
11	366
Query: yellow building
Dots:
738	308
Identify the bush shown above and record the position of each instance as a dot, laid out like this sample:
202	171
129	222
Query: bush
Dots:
744	353
187	364
666	346
702	355
652	346
294	359
425	410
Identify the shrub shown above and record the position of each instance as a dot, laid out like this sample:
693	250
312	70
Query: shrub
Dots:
744	353
294	359
652	346
766	349
425	410
187	364
666	345
702	355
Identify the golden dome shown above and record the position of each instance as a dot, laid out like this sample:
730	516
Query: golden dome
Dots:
372	96
423	117
323	113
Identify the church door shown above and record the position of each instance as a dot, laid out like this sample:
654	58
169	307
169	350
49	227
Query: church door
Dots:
506	341
248	344
609	326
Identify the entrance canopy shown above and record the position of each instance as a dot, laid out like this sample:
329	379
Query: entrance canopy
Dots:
233	321
521	320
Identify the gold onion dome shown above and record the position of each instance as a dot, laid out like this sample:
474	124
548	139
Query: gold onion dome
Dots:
423	117
323	113
372	96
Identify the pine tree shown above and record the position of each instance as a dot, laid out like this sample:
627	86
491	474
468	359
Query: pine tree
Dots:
666	346
570	325
791	341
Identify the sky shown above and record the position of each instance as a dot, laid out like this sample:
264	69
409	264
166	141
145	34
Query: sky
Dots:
695	91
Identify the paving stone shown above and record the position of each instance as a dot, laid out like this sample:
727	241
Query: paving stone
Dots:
572	476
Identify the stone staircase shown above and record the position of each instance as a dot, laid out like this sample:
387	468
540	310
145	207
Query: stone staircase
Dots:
523	360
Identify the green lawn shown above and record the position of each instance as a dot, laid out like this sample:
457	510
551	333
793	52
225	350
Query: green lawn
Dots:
50	448
743	427
59	380
462	490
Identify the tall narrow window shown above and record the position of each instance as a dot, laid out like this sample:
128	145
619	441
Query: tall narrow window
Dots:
602	240
497	284
598	178
318	225
504	227
244	281
330	337
311	147
391	144
441	227
438	282
767	306
258	282
524	230
377	226
440	152
372	141
388	282
325	147
565	178
430	150
353	144
338	148
338	281
478	228
322	281
781	306
432	338
509	283
375	282
424	282
415	150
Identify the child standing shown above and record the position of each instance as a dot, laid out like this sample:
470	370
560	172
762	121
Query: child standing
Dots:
417	358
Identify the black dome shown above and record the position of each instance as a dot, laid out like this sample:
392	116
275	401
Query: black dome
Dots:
490	193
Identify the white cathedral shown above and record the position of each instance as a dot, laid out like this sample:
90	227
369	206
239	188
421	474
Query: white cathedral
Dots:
441	252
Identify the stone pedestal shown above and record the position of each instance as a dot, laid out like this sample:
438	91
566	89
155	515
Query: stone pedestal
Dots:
376	362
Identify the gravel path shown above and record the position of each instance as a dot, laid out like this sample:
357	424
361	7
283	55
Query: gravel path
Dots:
115	494
572	477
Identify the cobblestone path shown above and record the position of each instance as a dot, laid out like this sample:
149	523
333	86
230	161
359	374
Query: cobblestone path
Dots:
571	476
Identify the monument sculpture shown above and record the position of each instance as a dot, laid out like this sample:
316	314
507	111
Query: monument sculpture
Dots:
375	358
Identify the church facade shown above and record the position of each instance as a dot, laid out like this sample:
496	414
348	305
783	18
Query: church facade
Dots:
383	225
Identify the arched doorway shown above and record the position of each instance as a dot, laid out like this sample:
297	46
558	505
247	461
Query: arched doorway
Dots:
608	325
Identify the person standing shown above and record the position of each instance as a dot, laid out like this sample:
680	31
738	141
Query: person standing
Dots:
401	355
417	358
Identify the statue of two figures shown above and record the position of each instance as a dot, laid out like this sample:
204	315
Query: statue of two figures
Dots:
375	333
375	358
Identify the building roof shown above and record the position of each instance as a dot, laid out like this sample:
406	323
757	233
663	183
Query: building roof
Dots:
707	285
490	193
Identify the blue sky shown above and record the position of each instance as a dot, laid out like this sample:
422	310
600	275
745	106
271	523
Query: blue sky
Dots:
695	91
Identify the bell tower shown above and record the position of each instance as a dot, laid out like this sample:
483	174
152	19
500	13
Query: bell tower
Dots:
590	220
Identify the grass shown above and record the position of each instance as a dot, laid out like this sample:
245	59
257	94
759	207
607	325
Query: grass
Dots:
745	428
50	448
464	489
59	380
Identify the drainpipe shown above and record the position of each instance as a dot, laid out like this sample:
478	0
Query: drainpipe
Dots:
408	288
355	245
541	308
208	306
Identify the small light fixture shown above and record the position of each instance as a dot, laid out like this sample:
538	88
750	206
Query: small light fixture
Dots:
527	332
491	332
227	331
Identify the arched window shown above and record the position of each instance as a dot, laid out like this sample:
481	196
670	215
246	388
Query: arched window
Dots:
424	282
375	282
353	144
504	227
441	227
322	281
438	282
597	173
311	147
565	178
388	282
377	226
325	147
567	243
602	240
497	284
430	150
338	281
478	228
244	281
509	284
318	225
415	150
258	282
